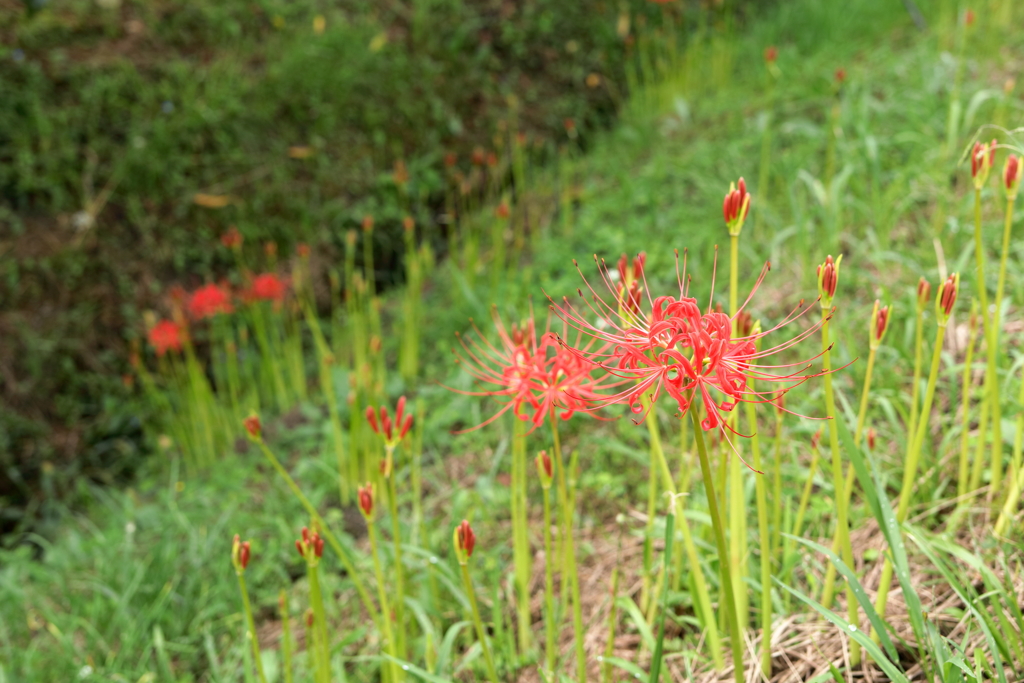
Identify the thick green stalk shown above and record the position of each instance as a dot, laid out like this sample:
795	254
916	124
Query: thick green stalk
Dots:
991	380
723	553
979	448
569	551
520	539
703	595
910	468
842	520
286	636
652	502
396	533
609	648
962	480
761	493
550	623
993	355
1018	438
332	540
385	609
830	571
323	661
915	388
737	500
478	623
778	502
1010	506
666	558
250	626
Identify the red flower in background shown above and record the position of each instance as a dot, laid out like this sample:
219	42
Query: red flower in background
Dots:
267	287
165	336
208	301
668	345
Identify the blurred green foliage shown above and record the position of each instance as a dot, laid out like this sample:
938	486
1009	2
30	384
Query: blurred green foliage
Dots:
115	114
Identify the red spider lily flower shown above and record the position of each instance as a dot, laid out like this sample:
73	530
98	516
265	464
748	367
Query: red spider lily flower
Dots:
828	280
365	496
982	155
670	346
253	427
464	540
208	301
736	206
1013	171
544	469
539	378
232	239
879	324
240	552
310	546
924	294
771	53
947	297
165	336
267	287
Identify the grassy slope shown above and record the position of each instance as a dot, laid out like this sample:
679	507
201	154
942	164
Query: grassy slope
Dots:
158	558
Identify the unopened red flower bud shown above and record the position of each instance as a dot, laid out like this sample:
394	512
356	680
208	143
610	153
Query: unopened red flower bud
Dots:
924	293
465	540
253	427
816	439
735	207
879	323
365	496
828	280
771	53
840	75
371	417
982	156
544	469
367	223
969	17
1013	171
478	157
401	173
947	296
502	211
270	249
310	618
450	159
408	224
871	438
240	552
492	160
744	324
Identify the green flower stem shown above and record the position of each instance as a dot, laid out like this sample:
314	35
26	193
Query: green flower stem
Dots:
332	540
478	623
550	617
798	522
648	556
778	502
737	525
1018	438
979	452
286	636
520	539
396	532
915	388
842	519
830	571
655	672
382	596
569	551
993	356
910	469
761	493
1012	499
323	660
962	479
250	626
723	553
703	595
609	648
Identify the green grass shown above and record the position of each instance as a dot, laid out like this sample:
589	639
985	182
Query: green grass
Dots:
150	565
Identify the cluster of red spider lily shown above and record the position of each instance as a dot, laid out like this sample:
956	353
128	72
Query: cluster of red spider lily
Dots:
210	301
632	346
